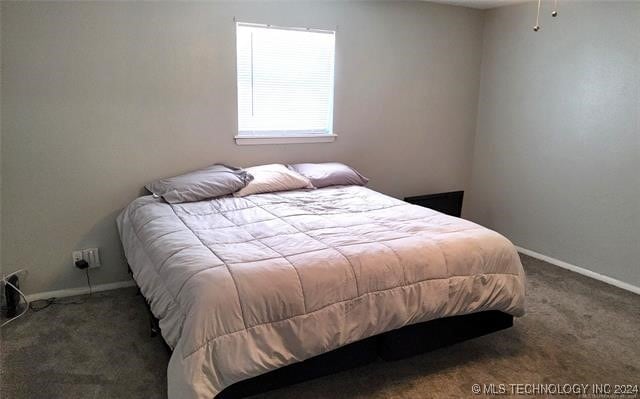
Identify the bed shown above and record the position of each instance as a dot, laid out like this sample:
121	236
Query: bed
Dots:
245	286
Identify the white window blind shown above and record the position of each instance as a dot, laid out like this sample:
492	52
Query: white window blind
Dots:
285	81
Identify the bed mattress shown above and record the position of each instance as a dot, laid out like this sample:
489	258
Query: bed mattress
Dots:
242	286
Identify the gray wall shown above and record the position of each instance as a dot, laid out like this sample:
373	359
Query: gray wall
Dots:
1	63
100	98
557	153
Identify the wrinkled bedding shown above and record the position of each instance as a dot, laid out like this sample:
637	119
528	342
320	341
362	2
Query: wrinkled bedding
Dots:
242	286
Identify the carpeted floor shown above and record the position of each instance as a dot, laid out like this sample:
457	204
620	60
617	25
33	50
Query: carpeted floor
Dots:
576	330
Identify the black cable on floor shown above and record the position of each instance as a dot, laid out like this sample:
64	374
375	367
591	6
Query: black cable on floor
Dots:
42	304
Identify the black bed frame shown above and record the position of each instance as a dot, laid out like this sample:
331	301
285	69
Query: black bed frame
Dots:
393	345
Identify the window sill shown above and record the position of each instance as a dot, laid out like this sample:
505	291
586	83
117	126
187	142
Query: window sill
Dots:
299	139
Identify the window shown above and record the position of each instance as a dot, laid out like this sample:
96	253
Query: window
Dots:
285	84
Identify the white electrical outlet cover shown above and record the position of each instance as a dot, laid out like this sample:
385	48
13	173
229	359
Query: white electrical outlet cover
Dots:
91	255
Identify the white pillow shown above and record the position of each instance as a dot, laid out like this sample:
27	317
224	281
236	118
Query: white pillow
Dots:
274	177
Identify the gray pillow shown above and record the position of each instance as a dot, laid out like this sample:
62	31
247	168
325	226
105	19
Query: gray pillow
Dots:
215	181
329	174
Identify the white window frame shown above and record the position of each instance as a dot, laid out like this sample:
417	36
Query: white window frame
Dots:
286	137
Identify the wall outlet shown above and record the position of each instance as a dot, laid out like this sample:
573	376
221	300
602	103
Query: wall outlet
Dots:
91	255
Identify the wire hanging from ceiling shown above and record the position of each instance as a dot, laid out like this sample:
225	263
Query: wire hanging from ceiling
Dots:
554	14
536	27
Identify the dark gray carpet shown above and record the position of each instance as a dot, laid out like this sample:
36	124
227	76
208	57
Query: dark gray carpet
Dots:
577	330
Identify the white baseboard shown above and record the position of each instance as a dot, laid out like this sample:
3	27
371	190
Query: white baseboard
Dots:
581	270
80	291
533	254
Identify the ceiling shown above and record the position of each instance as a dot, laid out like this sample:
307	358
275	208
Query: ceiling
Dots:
480	4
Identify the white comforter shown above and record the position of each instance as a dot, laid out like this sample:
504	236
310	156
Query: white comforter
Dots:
246	285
